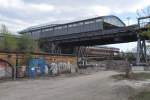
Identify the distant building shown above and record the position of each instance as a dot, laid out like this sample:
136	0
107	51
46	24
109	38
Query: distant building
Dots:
100	52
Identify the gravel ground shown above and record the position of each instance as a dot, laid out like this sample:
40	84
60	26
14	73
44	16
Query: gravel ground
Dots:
96	86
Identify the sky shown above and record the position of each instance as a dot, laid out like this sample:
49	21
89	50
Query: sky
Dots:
20	14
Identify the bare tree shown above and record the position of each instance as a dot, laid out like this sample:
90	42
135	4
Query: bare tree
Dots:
3	29
143	12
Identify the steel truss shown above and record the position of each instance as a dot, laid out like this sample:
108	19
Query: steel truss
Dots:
141	57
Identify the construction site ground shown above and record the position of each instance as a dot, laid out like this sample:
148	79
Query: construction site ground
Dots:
94	86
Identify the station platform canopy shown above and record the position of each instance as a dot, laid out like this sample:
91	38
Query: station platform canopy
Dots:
81	26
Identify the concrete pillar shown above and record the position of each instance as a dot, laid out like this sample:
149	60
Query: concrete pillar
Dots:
138	51
53	48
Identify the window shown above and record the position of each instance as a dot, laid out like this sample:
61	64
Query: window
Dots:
55	28
114	21
70	25
92	21
38	31
74	25
44	30
89	22
59	27
65	26
34	32
30	34
50	29
80	23
98	20
86	22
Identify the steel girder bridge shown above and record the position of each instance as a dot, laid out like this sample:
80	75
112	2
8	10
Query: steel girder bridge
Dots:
68	37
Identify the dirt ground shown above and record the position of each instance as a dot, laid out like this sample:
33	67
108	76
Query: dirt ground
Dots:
96	86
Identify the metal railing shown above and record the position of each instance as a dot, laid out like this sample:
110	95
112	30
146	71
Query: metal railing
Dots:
144	22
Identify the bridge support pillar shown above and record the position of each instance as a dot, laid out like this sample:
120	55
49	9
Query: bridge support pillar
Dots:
141	57
82	56
55	48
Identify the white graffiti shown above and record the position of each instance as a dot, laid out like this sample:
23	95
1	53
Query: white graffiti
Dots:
57	68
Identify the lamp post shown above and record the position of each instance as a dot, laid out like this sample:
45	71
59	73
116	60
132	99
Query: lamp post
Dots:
128	18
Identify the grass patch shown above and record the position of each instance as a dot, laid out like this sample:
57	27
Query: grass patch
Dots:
119	76
133	76
142	96
140	76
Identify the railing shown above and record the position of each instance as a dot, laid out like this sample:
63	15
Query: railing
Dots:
144	22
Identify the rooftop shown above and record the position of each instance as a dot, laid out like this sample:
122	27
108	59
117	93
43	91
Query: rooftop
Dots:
109	19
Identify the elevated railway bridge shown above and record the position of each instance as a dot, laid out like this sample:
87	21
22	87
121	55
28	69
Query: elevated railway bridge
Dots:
68	37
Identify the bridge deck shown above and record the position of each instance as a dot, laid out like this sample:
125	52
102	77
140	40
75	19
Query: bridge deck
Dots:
117	35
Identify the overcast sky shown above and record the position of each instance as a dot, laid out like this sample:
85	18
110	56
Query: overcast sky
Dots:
19	14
